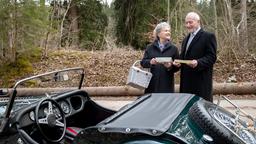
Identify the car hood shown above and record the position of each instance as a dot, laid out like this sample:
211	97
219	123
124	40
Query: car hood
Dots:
151	114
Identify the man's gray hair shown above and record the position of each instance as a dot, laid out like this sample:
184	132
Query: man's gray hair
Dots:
193	15
159	27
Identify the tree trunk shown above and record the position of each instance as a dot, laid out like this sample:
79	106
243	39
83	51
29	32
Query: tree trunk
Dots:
61	39
47	34
11	56
215	20
218	88
230	21
74	30
230	37
243	29
42	3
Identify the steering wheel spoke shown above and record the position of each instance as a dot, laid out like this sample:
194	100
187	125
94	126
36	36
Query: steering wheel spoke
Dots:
51	120
60	124
43	121
50	111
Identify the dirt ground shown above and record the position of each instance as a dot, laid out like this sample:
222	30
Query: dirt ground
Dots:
110	68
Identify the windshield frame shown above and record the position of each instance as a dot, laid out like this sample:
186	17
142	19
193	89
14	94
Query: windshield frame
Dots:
14	93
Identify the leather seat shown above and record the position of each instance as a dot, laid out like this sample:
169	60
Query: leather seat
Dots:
71	132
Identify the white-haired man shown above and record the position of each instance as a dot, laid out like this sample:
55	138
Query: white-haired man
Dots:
200	47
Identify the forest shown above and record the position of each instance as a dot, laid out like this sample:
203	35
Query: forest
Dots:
33	30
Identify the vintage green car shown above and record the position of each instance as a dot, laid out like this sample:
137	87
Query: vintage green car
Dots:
68	115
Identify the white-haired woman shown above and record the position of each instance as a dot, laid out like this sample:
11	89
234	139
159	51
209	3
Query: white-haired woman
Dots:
163	72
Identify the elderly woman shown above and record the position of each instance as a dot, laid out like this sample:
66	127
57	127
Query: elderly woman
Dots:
163	72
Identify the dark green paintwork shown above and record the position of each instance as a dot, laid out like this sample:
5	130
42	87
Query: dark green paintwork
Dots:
184	128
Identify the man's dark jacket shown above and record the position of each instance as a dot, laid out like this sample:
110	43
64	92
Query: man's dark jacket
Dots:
163	78
198	80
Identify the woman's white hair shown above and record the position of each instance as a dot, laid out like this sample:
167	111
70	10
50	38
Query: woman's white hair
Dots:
159	27
193	15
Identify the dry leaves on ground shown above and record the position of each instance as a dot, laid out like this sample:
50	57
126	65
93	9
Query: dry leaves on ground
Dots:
110	68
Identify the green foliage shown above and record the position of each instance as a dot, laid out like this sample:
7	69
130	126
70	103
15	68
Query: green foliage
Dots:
92	23
108	10
32	24
33	55
137	19
10	71
26	21
23	66
4	23
207	15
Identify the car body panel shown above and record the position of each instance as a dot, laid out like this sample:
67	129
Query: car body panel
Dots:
156	115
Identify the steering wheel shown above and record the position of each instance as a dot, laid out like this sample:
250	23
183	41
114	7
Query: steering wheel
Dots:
52	118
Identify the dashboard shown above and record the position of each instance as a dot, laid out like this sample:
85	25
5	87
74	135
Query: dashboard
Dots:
69	106
70	103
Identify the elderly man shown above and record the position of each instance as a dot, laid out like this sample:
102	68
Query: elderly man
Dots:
199	47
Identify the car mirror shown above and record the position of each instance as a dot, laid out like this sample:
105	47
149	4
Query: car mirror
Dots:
60	76
4	92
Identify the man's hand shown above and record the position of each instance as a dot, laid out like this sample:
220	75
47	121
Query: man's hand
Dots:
193	64
177	64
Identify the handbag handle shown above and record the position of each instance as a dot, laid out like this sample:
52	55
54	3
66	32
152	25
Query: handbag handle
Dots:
138	61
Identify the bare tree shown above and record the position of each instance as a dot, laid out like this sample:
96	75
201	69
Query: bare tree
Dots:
215	20
44	43
242	28
229	38
73	33
12	33
62	24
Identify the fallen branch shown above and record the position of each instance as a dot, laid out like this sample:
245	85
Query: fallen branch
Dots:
218	88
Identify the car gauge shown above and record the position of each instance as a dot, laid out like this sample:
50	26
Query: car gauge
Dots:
32	115
65	107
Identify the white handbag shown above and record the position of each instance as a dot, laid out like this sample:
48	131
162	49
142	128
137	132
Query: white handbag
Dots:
138	78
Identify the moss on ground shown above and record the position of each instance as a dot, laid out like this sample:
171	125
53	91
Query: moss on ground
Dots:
9	72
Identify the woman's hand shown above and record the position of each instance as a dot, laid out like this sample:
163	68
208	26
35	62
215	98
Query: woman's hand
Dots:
153	61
